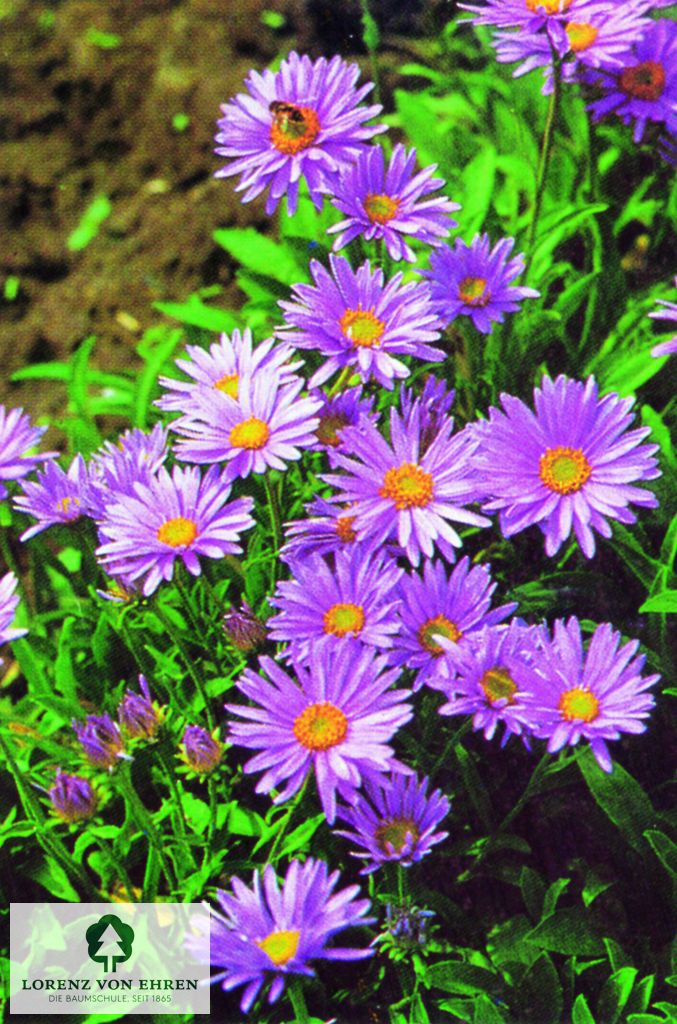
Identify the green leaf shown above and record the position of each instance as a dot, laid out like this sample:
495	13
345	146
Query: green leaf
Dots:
664	848
55	880
479	176
297	839
457	976
617	956
155	348
641	995
486	1012
533	892
261	254
556	229
195	313
615	994
196	811
553	894
665	602
90	222
581	1012
370	33
566	931
621	798
540	994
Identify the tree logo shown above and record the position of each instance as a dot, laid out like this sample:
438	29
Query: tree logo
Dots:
109	942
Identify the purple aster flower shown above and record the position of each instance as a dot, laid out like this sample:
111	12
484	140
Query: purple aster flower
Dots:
336	718
72	797
17	436
329	527
395	820
435	402
172	517
352	604
595	694
406	926
268	931
9	602
395	491
101	740
201	750
118	465
222	366
267	426
303	121
644	88
357	320
669	312
57	496
391	202
137	714
244	630
532	15
571	464
439	608
494	672
470	280
345	409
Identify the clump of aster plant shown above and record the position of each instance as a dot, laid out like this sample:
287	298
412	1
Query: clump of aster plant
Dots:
72	798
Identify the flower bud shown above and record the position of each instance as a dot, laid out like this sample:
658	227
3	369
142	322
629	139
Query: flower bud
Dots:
201	750
101	740
72	797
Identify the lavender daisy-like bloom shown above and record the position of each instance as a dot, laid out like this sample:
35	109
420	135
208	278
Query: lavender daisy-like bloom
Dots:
172	517
329	527
395	491
303	121
136	713
268	426
435	402
268	931
345	409
594	695
72	798
9	602
101	740
532	15
474	280
644	88
441	613
335	718
493	674
570	465
668	312
201	750
353	603
115	468
357	320
391	203
57	496
394	820
17	436
222	366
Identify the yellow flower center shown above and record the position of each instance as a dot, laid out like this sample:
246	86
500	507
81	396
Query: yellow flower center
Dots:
321	726
409	486
65	506
581	35
394	833
328	430
579	705
439	626
342	619
498	684
280	946
362	328
549	6
179	532
473	291
564	470
380	208
294	128
251	434
229	384
645	81
344	529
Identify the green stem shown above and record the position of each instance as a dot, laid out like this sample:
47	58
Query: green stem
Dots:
145	822
275	520
298	1002
50	843
190	667
341	381
287	818
449	746
369	37
117	866
185	599
211	827
178	812
546	150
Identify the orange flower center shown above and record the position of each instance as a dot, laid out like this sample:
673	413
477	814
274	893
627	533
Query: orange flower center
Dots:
344	529
280	946
498	684
178	533
394	833
564	470
645	81
65	506
439	626
581	35
251	434
409	486
293	128
321	726
328	430
579	705
549	6
380	208
362	327
341	619
473	291
229	384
